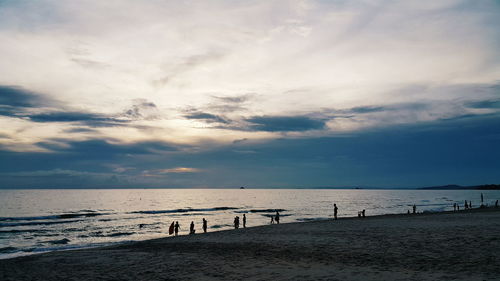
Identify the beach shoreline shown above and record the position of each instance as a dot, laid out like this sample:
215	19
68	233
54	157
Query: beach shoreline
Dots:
426	246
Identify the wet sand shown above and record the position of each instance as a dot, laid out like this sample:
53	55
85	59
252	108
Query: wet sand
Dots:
440	246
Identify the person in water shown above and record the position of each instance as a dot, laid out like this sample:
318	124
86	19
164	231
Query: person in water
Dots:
244	221
204	225
277	218
191	228
335	210
236	222
176	228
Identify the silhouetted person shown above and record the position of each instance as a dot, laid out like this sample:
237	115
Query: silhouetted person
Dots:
363	213
458	207
277	218
465	205
171	229
496	204
176	228
244	221
481	198
359	214
204	225
236	222
470	204
335	210
272	219
191	228
408	212
414	208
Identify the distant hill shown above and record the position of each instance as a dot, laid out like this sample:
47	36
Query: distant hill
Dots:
455	187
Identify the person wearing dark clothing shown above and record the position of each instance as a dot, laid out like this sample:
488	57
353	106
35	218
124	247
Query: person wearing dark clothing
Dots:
204	225
470	204
335	210
359	214
496	204
454	207
363	213
191	228
236	222
277	219
244	221
176	228
408	212
466	206
458	207
272	219
414	208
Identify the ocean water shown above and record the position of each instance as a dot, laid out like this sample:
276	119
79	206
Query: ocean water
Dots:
36	221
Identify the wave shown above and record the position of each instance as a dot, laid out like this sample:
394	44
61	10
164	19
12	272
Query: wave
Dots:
266	210
6	250
186	210
120	234
59	242
36	223
87	213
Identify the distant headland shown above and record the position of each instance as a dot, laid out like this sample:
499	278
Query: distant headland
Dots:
454	187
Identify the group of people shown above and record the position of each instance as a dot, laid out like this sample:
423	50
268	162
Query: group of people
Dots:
175	227
275	218
237	222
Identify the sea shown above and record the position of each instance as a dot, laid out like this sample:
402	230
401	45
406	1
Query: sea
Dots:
38	221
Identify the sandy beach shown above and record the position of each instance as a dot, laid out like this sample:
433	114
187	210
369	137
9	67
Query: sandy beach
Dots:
435	246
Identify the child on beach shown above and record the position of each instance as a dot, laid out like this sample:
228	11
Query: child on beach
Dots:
204	225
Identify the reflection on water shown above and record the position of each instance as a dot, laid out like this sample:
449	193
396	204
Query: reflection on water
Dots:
43	220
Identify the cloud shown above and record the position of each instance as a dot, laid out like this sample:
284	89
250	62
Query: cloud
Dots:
206	117
285	123
494	104
14	96
142	109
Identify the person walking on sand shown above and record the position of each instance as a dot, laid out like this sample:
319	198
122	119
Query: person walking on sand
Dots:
414	208
363	213
272	219
236	222
191	228
466	206
335	210
176	228
277	217
496	204
470	204
454	207
204	225
244	221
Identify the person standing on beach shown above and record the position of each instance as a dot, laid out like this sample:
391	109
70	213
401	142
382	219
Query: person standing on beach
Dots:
171	229
335	210
176	228
277	217
272	219
414	208
363	212
191	228
466	206
204	225
496	204
236	222
454	207
244	221
470	204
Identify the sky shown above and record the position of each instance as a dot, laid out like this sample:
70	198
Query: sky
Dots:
151	94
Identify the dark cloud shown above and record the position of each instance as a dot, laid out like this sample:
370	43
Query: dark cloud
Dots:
80	130
463	151
11	96
367	109
493	104
207	117
285	123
